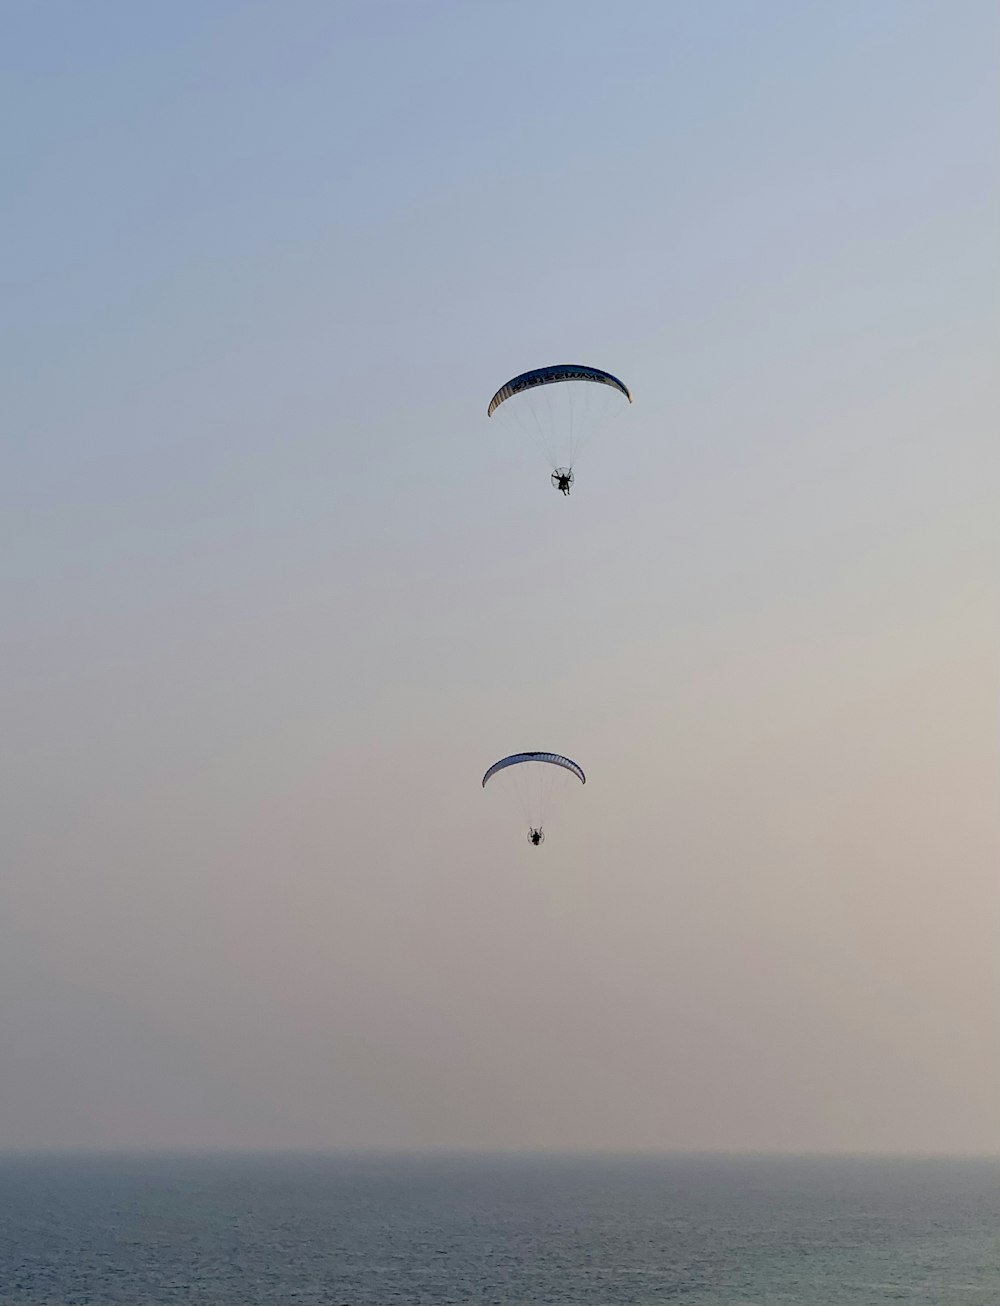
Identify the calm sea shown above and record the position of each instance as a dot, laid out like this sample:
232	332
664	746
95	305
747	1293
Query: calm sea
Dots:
373	1230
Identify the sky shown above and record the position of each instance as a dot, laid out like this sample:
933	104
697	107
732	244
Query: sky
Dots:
275	592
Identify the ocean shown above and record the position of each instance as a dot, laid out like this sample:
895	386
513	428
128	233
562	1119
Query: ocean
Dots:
504	1229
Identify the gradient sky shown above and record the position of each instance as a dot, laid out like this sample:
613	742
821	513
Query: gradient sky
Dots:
275	592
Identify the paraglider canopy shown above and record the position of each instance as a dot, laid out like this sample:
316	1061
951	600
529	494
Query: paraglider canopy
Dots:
550	376
555	759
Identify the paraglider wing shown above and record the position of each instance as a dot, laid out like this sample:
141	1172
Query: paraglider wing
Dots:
556	759
551	375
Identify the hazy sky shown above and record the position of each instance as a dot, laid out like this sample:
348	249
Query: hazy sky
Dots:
275	592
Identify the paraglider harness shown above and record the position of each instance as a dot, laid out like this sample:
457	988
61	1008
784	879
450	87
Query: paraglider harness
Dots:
535	837
563	478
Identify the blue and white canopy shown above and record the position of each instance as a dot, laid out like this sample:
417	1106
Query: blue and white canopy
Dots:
552	375
556	759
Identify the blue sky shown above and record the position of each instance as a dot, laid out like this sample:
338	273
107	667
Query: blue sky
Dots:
278	592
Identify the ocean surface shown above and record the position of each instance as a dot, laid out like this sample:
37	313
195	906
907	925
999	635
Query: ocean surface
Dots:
367	1231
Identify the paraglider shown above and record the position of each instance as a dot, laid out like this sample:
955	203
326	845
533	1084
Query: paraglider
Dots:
550	405
560	407
532	781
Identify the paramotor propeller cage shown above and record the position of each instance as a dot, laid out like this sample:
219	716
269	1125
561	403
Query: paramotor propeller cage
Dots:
563	478
535	837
